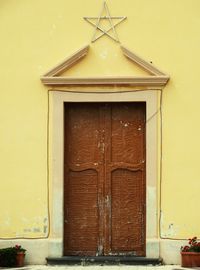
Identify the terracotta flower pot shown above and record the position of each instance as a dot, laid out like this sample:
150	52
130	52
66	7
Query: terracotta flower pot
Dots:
20	259
190	259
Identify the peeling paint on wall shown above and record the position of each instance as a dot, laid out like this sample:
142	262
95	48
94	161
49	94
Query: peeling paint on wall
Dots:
169	230
36	227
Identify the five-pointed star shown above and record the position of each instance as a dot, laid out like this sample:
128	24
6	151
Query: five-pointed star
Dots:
105	15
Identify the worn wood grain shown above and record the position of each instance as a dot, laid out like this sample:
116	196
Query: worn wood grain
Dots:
104	179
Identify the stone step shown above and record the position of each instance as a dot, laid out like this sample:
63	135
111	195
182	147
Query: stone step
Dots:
101	260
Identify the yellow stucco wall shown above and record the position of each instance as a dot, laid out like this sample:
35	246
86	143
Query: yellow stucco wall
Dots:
35	35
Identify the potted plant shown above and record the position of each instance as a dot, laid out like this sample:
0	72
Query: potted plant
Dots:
190	254
12	256
20	255
7	257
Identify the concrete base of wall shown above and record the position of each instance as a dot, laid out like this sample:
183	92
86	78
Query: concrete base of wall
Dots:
39	249
170	250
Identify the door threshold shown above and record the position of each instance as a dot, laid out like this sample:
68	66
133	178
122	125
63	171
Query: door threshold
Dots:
101	260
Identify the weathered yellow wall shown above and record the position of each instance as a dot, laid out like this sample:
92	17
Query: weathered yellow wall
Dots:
35	35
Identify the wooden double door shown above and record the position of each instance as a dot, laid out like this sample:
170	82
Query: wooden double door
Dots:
104	179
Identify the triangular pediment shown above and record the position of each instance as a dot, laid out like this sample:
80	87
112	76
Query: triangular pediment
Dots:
154	76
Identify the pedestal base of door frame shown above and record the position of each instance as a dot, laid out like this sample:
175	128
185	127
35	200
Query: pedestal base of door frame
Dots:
107	260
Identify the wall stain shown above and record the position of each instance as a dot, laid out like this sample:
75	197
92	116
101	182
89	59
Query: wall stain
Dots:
45	229
35	230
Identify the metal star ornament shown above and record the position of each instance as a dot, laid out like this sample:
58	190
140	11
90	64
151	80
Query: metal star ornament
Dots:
105	24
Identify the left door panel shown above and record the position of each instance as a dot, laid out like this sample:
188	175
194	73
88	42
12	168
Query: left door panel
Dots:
83	173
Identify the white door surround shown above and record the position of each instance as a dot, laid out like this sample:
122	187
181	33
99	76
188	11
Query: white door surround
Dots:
56	159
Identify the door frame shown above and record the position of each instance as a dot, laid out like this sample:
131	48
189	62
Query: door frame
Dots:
57	98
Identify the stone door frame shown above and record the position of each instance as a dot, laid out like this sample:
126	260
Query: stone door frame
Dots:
56	159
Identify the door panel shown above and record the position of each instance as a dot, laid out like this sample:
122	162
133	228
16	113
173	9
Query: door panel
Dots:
83	127
83	172
125	179
127	212
127	133
82	215
104	193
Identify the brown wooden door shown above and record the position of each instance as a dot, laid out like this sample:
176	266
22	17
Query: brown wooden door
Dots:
104	179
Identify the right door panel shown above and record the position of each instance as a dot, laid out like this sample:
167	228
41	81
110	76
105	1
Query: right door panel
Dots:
125	165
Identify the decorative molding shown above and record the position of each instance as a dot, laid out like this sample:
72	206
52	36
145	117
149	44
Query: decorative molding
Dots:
67	63
134	81
105	15
142	63
156	77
